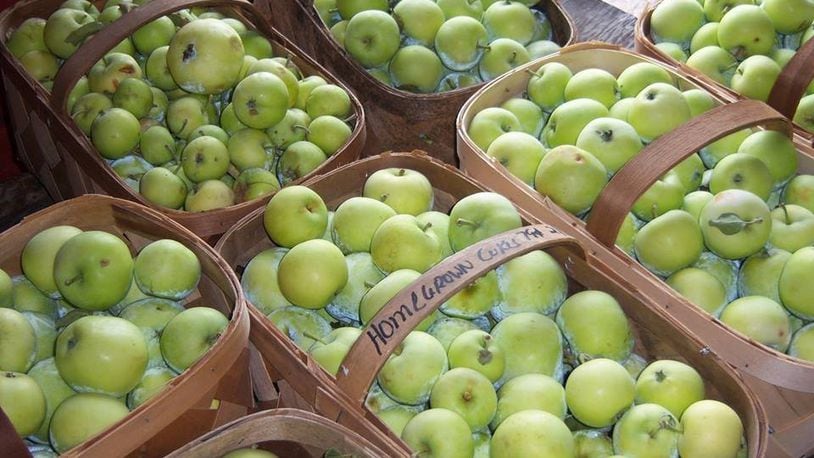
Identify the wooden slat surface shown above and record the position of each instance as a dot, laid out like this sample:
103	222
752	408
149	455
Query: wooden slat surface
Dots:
597	20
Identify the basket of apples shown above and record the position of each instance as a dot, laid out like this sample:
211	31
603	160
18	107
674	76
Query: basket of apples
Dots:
740	49
415	62
122	332
186	107
588	165
447	322
279	432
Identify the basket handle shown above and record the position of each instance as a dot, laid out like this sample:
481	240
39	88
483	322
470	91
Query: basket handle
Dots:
793	81
616	200
99	44
10	442
411	305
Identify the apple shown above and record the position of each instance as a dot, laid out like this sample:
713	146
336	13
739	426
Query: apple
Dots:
541	350
298	160
312	273
401	242
414	367
157	71
755	77
416	68
205	56
468	393
446	328
439	225
742	171
83	416
804	116
646	429
490	123
260	100
382	292
621	109
304	327
658	109
168	269
157	145
541	48
205	158
349	8
801	343
454	8
710	428
509	19
6	290
162	187
54	389
115	133
131	168
189	335
530	115
61	24
775	150
46	333
673	51
746	30
23	402
282	71
41	65
571	177
248	148
107	74
717	150
761	319
532	433
405	191
372	37
735	224
529	392
479	216
331	350
592	443
355	222
478	298
259	281
295	214
28	36
676	20
328	99
593	83
725	270
338	31
699	100
27	298
439	432
800	191
695	201
707	35
254	183
476	350
546	86
256	45
38	256
534	282
759	274
714	62
794	290
792	228
638	76
155	380
671	384
329	133
612	141
689	173
397	416
701	288
153	35
595	326
460	42
569	119
291	129
669	242
519	152
419	20
500	56
362	276
186	114
789	17
599	391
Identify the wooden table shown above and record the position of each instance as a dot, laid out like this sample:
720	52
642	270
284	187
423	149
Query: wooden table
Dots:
598	20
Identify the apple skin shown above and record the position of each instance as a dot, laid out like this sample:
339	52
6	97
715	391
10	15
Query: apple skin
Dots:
439	225
155	380
186	114
6	290
746	30
761	319
250	453
598	391
479	216
439	432
329	133
405	191
751	228
695	201
671	384
699	100
205	56
592	443
362	273
166	268
107	74
331	351
612	141
416	68
546	86
356	220
372	38
27	298
658	109
804	116
569	119
283	71
595	326
530	115
571	177
259	281
260	100
710	428
189	335
476	349
646	429
446	328
792	228
295	214
707	35
676	20
593	83
532	433
802	343
397	416
500	56
701	288
638	76
490	123
800	191
512	20
532	343
755	77
401	242
81	417
54	389
759	274
115	133
254	183
664	195
529	392
248	148
291	129
468	393
152	312
673	50
775	150
301	325
61	23
476	299
23	402
28	36
789	17
414	367
157	145
162	187
742	171
519	152
534	282
312	273
377	297
795	290
38	257
715	62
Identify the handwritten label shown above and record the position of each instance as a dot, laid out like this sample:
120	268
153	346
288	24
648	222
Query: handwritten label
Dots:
443	278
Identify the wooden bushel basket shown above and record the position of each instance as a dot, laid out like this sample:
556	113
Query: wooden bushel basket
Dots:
183	410
397	120
657	336
789	88
790	402
272	429
54	148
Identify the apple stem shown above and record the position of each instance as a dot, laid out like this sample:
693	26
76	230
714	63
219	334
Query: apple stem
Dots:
369	284
184	125
70	281
668	423
426	226
167	147
401	172
300	126
786	213
466	222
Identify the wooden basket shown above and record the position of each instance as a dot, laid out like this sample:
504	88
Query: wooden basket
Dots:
789	88
397	120
275	430
53	147
789	381
183	410
657	335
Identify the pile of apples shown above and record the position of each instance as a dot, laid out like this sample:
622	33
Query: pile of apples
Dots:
436	46
192	111
742	44
89	333
730	228
511	365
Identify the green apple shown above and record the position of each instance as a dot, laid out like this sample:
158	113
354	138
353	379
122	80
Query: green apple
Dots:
157	145
259	281
676	20
700	288
571	177
439	225
612	141
349	8
205	158
41	65
454	8
569	119
162	187
304	88
699	100
87	108
746	30
479	216
468	393
54	389
27	298
312	273
295	214
209	195
707	35
355	222
189	335
304	327
328	99
419	20
396	417
6	290
532	433
489	124
671	384
541	48
755	77
115	133
759	274
254	183
186	114
715	9
329	133
519	152
331	350
401	242
790	16
298	160
338	31
248	148
717	150
530	115
725	270
621	109
45	330
529	392
593	83
38	256
405	191
689	173
782	56
439	432
362	276
500	56
28	36
795	291
372	38
532	343
714	62
205	56
761	319
742	171
476	350
168	269
153	35
282	71
592	443
627	234
260	100
800	191
658	109
775	150
23	402
256	45
155	380
83	416
595	326
460	42
673	51
62	24
446	329
646	429
695	201
414	367
111	70
153	313
735	224
509	19
804	116
416	69
599	391
479	297
291	129
669	242
382	292
534	282
802	343
546	86
710	428
157	71
792	228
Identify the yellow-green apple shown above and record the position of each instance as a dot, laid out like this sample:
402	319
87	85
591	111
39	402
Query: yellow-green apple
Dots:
802	343
500	56
312	273
304	327
439	432
157	71
715	151
715	9
439	224
256	45
45	330
479	216
260	100
735	224
519	152
775	150
168	269
205	56
540	354
379	294
328	99
372	38
280	70
646	429
23	402
541	48
329	133
746	30
401	242
592	443
209	195
41	65
671	384
789	16
62	24
162	187
477	350
593	83
419	20
259	281
676	20
640	75
477	299
571	177
714	62
106	76
792	228
54	389
699	100
569	119
742	171
332	349
414	367
416	69
759	274
356	220
153	35
249	148
725	270
446	328
534	282
673	50
707	35
189	335
689	173
295	214
155	380
186	114
761	319
362	275
83	416
529	392
38	255
695	201
298	160
710	428
530	115
612	141
292	128
349	8
406	191
658	109
157	145
669	242
6	290
800	191
755	77
795	291
489	124
532	433
254	183
115	133
454	8
28	298
595	326
509	19
804	116
700	288
135	96
546	86
304	88
460	42
397	416
131	168
153	313
599	391
627	234
621	109
28	36
468	393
